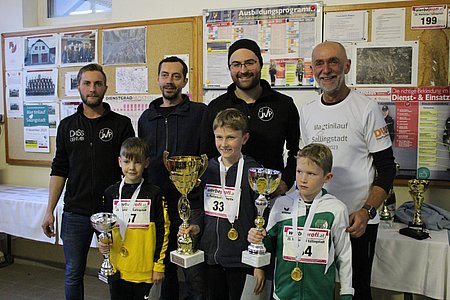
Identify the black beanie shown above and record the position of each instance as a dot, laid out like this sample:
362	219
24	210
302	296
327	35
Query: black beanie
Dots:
247	44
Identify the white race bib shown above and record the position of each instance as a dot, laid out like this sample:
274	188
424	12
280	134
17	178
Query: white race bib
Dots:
316	248
139	216
214	204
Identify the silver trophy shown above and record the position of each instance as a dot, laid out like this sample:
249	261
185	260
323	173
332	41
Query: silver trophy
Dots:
104	223
264	182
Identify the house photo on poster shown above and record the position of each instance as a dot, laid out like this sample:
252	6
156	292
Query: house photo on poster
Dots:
385	64
40	51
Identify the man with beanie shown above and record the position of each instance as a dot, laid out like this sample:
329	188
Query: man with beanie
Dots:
273	117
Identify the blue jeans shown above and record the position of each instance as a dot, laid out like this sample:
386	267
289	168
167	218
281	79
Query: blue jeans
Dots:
76	233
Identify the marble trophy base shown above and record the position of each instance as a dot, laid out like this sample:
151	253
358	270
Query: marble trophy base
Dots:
255	260
108	278
186	261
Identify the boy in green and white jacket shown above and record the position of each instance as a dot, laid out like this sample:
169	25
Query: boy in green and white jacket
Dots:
306	268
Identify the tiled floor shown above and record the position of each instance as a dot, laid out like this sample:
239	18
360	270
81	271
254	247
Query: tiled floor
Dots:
24	280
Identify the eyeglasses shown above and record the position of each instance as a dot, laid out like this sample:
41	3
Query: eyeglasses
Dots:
248	64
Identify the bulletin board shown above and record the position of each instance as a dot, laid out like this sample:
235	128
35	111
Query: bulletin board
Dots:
420	111
178	36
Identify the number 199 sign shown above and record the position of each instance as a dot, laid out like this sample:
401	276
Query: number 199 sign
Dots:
429	17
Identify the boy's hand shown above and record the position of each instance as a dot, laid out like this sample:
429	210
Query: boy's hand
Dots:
260	280
192	229
158	277
103	248
255	236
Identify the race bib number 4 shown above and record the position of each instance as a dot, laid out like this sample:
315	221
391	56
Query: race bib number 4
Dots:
316	248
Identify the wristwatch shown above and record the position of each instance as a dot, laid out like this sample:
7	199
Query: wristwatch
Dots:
372	211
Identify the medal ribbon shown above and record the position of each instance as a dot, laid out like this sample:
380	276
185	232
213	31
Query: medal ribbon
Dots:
232	210
302	243
124	218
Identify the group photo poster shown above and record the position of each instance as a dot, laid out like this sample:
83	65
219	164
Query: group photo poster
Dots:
78	48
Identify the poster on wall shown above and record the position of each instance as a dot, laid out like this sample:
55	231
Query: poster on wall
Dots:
36	128
286	35
78	48
13	53
124	46
418	122
40	51
40	84
384	64
14	94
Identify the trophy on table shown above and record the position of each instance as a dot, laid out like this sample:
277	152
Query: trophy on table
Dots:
264	182
416	228
184	172
104	223
388	208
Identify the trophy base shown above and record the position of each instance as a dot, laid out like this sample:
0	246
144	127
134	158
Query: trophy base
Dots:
186	261
415	233
108	279
255	260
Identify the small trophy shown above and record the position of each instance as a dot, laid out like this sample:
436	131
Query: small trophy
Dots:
388	208
416	228
184	173
104	223
264	182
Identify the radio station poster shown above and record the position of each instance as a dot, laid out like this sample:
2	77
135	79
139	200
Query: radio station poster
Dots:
285	34
420	119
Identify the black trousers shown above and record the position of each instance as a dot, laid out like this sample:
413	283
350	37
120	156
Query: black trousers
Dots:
363	250
226	283
125	290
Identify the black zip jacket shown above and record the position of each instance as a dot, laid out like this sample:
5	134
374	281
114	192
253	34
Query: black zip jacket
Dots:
273	121
178	133
214	239
86	154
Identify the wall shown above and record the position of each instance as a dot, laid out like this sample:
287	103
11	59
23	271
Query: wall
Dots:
130	10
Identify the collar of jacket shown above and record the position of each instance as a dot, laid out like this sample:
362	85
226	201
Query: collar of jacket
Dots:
267	91
181	109
106	107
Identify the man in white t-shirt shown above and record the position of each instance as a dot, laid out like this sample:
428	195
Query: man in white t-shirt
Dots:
353	127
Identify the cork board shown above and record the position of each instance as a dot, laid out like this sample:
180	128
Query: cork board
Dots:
433	64
163	37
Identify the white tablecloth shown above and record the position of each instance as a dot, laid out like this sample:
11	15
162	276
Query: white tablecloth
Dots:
22	210
413	266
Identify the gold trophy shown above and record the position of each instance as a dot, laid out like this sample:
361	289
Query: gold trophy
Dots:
184	172
104	223
416	228
264	182
388	207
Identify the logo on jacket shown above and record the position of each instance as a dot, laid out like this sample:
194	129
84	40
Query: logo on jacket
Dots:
286	210
105	134
76	135
265	113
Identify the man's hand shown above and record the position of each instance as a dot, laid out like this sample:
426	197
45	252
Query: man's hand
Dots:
358	223
255	236
158	277
260	280
48	224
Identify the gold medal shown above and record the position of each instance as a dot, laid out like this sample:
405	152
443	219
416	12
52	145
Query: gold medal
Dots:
233	234
123	251
297	274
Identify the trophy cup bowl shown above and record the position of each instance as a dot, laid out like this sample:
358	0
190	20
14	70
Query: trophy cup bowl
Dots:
184	172
416	227
104	223
264	182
